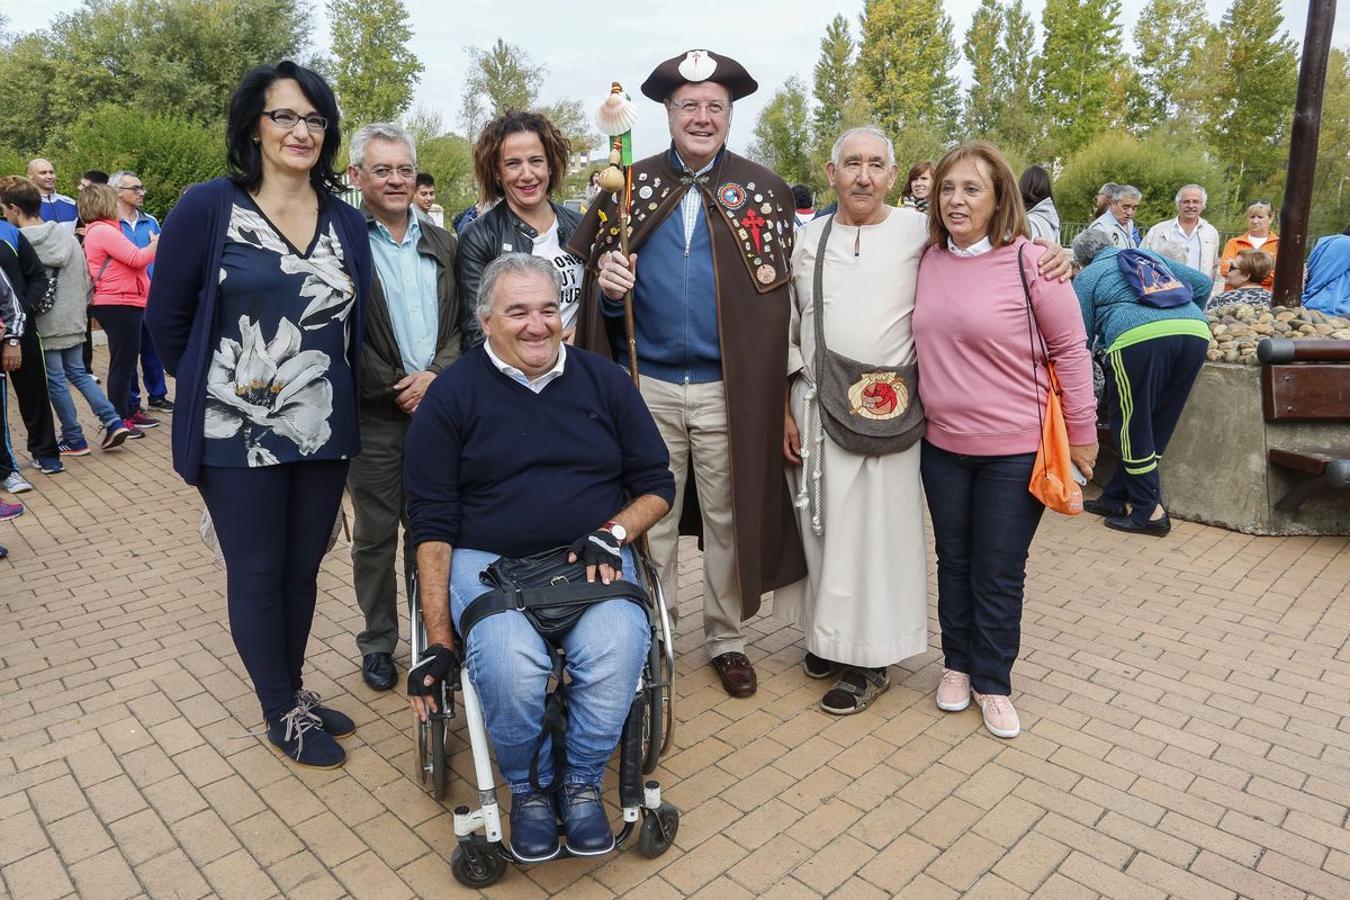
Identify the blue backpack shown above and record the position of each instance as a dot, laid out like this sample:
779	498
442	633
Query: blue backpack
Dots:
1152	282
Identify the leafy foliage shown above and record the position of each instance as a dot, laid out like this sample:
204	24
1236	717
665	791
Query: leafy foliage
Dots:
782	138
1081	54
374	71
1156	165
501	78
906	62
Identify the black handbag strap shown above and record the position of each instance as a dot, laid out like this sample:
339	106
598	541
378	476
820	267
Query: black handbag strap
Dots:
572	594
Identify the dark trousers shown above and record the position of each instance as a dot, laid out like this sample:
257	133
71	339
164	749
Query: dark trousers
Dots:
8	464
983	521
122	325
376	483
1146	389
273	525
152	370
35	405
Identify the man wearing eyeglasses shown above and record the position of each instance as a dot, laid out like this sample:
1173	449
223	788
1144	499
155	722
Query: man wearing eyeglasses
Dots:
711	306
413	327
139	227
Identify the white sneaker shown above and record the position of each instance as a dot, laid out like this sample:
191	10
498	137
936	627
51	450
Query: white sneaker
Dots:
953	693
17	484
999	715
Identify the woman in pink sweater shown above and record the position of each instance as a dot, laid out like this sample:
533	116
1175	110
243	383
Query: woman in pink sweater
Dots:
983	389
121	286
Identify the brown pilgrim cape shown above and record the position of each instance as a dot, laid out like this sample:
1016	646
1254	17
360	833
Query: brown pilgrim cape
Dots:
750	215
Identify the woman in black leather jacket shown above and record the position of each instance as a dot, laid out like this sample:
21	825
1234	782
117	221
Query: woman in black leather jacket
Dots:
520	160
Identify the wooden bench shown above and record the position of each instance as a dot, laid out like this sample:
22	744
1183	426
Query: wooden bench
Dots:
1307	381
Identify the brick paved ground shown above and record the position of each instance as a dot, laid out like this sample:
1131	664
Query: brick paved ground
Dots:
1186	734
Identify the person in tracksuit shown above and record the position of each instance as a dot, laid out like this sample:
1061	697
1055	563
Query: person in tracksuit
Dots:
1152	358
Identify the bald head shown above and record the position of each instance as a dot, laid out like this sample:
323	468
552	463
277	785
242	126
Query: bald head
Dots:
43	174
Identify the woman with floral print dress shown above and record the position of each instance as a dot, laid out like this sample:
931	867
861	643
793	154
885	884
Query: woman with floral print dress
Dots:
256	308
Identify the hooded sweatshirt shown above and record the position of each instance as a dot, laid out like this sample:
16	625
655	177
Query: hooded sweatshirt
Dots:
1044	220
1328	287
63	325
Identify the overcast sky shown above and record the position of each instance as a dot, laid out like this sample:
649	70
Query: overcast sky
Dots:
584	52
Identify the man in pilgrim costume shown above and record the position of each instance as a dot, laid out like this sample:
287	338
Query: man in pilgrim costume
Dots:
711	306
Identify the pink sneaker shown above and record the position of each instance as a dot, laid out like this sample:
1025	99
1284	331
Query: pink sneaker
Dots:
10	510
953	693
999	715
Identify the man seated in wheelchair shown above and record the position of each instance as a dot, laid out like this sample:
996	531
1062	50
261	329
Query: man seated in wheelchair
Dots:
522	446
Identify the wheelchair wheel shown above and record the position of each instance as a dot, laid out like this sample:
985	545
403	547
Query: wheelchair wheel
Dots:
658	832
432	771
657	721
477	864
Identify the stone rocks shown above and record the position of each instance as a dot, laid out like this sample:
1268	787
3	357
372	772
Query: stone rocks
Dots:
1238	328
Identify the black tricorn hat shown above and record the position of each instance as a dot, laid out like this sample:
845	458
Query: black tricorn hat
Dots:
696	66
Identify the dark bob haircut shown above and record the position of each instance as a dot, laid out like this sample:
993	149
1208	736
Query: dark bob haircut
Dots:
246	108
916	170
1035	186
487	152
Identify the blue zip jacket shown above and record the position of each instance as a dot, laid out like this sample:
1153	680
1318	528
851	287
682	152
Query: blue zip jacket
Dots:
181	311
146	227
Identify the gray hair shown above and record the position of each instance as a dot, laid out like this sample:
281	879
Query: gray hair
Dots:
1088	244
116	178
1126	191
1266	204
1109	189
1173	249
1204	194
837	152
512	264
382	131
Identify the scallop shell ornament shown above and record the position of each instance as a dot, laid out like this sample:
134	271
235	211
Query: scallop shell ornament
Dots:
617	114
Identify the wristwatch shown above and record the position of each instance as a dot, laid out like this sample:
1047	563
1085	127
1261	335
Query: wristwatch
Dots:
12	341
615	529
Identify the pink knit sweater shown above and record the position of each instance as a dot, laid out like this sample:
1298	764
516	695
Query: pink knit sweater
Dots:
975	352
123	282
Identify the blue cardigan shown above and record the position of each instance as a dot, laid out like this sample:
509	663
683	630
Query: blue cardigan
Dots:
181	311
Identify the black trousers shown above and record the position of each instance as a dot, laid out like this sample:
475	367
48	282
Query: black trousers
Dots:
273	525
122	325
35	404
984	519
1146	389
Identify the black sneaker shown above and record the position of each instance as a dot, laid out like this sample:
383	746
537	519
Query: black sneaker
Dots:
334	723
299	736
163	404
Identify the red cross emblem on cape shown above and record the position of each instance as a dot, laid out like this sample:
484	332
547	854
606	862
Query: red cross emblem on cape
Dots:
754	221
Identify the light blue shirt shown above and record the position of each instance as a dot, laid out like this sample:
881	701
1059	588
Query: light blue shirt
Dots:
409	282
691	205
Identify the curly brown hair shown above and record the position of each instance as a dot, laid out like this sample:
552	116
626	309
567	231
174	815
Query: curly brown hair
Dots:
487	152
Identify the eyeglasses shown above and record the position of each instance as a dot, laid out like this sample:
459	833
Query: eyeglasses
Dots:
690	108
138	188
287	119
383	172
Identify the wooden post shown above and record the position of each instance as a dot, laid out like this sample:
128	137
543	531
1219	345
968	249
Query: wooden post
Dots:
1312	77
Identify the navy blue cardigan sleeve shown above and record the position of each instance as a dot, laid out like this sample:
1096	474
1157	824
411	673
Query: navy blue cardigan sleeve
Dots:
180	265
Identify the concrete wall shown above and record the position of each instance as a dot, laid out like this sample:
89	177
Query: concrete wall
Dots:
1216	471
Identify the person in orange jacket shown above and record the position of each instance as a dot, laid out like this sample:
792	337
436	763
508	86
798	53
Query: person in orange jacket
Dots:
1260	215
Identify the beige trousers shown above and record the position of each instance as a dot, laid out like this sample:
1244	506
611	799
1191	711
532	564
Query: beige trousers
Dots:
692	419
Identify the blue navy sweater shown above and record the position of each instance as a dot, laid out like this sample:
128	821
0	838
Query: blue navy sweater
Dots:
675	303
492	466
181	312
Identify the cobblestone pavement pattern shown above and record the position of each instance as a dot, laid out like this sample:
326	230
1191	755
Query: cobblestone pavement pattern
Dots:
1186	733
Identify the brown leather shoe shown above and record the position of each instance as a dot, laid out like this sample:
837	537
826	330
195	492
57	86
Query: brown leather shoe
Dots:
737	674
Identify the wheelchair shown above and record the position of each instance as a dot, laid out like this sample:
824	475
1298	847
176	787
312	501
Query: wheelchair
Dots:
481	856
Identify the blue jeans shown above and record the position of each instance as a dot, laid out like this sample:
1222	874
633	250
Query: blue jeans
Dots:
984	519
153	371
64	369
509	664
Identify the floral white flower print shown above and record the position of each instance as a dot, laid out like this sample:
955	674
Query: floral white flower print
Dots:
331	292
263	387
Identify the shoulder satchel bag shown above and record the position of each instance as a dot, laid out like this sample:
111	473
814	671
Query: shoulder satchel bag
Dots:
1052	480
864	408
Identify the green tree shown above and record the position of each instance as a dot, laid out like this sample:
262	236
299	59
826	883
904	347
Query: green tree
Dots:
449	159
1249	98
500	78
1169	39
374	69
1081	53
835	82
150	56
1331	183
906	63
1157	165
988	87
782	139
1017	128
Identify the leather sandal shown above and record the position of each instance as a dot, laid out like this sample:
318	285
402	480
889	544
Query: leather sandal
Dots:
855	690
